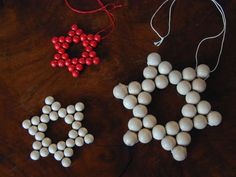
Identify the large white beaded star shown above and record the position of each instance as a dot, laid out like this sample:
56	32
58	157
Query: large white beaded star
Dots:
174	135
77	136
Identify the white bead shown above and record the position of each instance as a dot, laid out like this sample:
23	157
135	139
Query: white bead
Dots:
35	120
88	139
130	138
39	136
66	162
44	118
46	142
144	98
148	85
129	101
120	91
70	109
203	71
134	124
183	87
32	130
189	74
149	72
168	143
134	88
153	59
53	116
158	132
42	127
68	152
69	119
58	155
79	106
26	124
186	124
49	100
161	81
44	152
76	125
82	132
140	111
70	143
199	122
79	141
189	110
214	118
144	136
61	145
56	106
34	155
203	107
46	109
192	97
175	77
164	67
199	85
52	148
172	128
37	145
183	138
179	153
79	116
149	121
73	134
62	113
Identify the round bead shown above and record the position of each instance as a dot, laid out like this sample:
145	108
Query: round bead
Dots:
62	113
161	81
149	121
82	132
61	145
35	120
70	143
56	106
58	155
153	59
175	77
46	142
189	74
120	91
79	106
130	138
158	132
70	109
34	155
179	153
26	124
73	134
140	111
134	88
66	162
172	128
37	145
186	124
32	130
68	152
192	97
76	125
144	98
203	107
148	85
53	116
42	127
88	139
189	110
144	136
44	152
79	116
39	136
149	72
46	109
199	122
203	71
164	67
134	124
79	141
183	87
168	143
183	138
199	85
214	118
52	148
44	118
49	100
129	101
69	119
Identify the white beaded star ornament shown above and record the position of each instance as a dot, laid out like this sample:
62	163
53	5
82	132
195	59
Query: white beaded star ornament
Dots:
77	136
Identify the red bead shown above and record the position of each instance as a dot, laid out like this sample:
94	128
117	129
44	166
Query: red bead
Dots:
61	50
61	39
54	63
65	45
85	43
61	63
68	39
90	37
54	40
79	32
97	37
88	49
76	39
96	60
57	46
93	44
82	61
79	67
89	61
75	74
74	27
71	68
74	61
71	33
57	56
92	54
83	37
65	56
85	54
67	62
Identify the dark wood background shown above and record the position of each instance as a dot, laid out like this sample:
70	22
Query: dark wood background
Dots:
26	78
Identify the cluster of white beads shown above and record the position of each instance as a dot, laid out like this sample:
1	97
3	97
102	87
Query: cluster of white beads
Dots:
143	126
77	136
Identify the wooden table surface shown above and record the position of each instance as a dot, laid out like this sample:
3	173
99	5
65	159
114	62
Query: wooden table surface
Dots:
26	78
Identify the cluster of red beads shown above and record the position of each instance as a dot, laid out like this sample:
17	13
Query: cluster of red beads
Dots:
88	56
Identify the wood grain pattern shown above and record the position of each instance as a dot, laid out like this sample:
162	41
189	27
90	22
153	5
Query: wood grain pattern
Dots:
26	78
